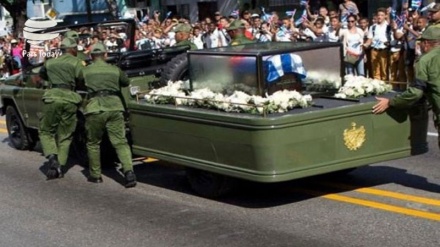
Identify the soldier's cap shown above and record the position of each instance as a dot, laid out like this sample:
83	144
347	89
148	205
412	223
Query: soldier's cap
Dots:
235	25
98	48
14	41
434	8
183	27
68	43
71	34
431	33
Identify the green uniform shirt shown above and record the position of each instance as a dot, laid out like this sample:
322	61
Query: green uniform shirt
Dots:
101	76
187	42
241	40
427	72
65	69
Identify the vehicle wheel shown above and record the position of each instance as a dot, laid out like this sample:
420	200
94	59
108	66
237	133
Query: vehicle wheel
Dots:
175	70
208	184
18	133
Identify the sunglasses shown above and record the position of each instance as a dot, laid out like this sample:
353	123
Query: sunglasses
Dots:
351	21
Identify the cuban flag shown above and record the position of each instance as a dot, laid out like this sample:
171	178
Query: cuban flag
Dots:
291	13
416	4
302	18
235	13
400	20
279	65
265	17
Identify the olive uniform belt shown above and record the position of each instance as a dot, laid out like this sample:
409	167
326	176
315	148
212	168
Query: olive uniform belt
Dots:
102	93
61	85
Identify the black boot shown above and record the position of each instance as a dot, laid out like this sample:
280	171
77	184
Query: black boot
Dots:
94	180
130	179
54	167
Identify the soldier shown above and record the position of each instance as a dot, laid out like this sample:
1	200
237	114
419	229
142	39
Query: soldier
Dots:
182	35
427	81
434	15
74	35
104	112
58	121
236	31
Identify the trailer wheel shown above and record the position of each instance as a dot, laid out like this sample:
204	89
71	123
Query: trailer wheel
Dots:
175	70
208	184
18	133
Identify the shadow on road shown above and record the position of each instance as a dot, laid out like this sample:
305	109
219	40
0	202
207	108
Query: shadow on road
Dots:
260	195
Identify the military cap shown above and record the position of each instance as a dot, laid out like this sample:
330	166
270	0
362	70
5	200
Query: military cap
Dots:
182	27
98	48
434	8
71	34
68	43
14	41
235	25
431	33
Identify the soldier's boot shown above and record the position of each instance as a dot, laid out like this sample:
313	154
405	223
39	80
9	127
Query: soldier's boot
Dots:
130	179
54	168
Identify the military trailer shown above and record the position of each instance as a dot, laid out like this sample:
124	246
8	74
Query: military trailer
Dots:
218	147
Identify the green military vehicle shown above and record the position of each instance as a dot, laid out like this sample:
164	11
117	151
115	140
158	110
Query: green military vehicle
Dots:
216	146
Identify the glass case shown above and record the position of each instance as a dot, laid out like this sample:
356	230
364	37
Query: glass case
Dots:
262	68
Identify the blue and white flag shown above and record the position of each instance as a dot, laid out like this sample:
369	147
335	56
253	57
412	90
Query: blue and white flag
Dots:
302	18
264	16
291	13
168	14
235	13
303	2
279	65
416	4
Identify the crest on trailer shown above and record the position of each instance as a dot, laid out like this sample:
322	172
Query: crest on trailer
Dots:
354	137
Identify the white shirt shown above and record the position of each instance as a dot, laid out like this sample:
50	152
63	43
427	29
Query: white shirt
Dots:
380	36
197	40
331	35
213	39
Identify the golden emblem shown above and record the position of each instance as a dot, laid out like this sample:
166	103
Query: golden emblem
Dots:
354	137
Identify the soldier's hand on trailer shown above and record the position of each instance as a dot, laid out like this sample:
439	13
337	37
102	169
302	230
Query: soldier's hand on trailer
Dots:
382	105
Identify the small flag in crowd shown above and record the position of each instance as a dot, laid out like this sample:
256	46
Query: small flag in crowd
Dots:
265	17
400	20
235	13
416	4
304	3
302	18
291	13
393	14
169	14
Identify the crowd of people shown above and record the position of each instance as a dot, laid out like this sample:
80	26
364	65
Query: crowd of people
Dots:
382	47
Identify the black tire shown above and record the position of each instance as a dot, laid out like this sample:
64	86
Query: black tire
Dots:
208	184
18	133
175	70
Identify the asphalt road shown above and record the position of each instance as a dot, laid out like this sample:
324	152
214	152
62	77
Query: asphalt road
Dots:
395	203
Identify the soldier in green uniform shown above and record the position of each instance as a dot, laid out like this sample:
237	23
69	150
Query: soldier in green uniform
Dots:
427	82
58	121
182	35
434	15
74	35
104	112
236	31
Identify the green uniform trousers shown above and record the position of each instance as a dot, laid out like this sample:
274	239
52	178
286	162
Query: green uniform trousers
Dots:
96	125
57	125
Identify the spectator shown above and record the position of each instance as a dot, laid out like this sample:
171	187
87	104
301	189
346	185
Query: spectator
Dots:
318	28
196	37
353	40
348	8
379	37
365	25
213	38
264	34
434	15
334	31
